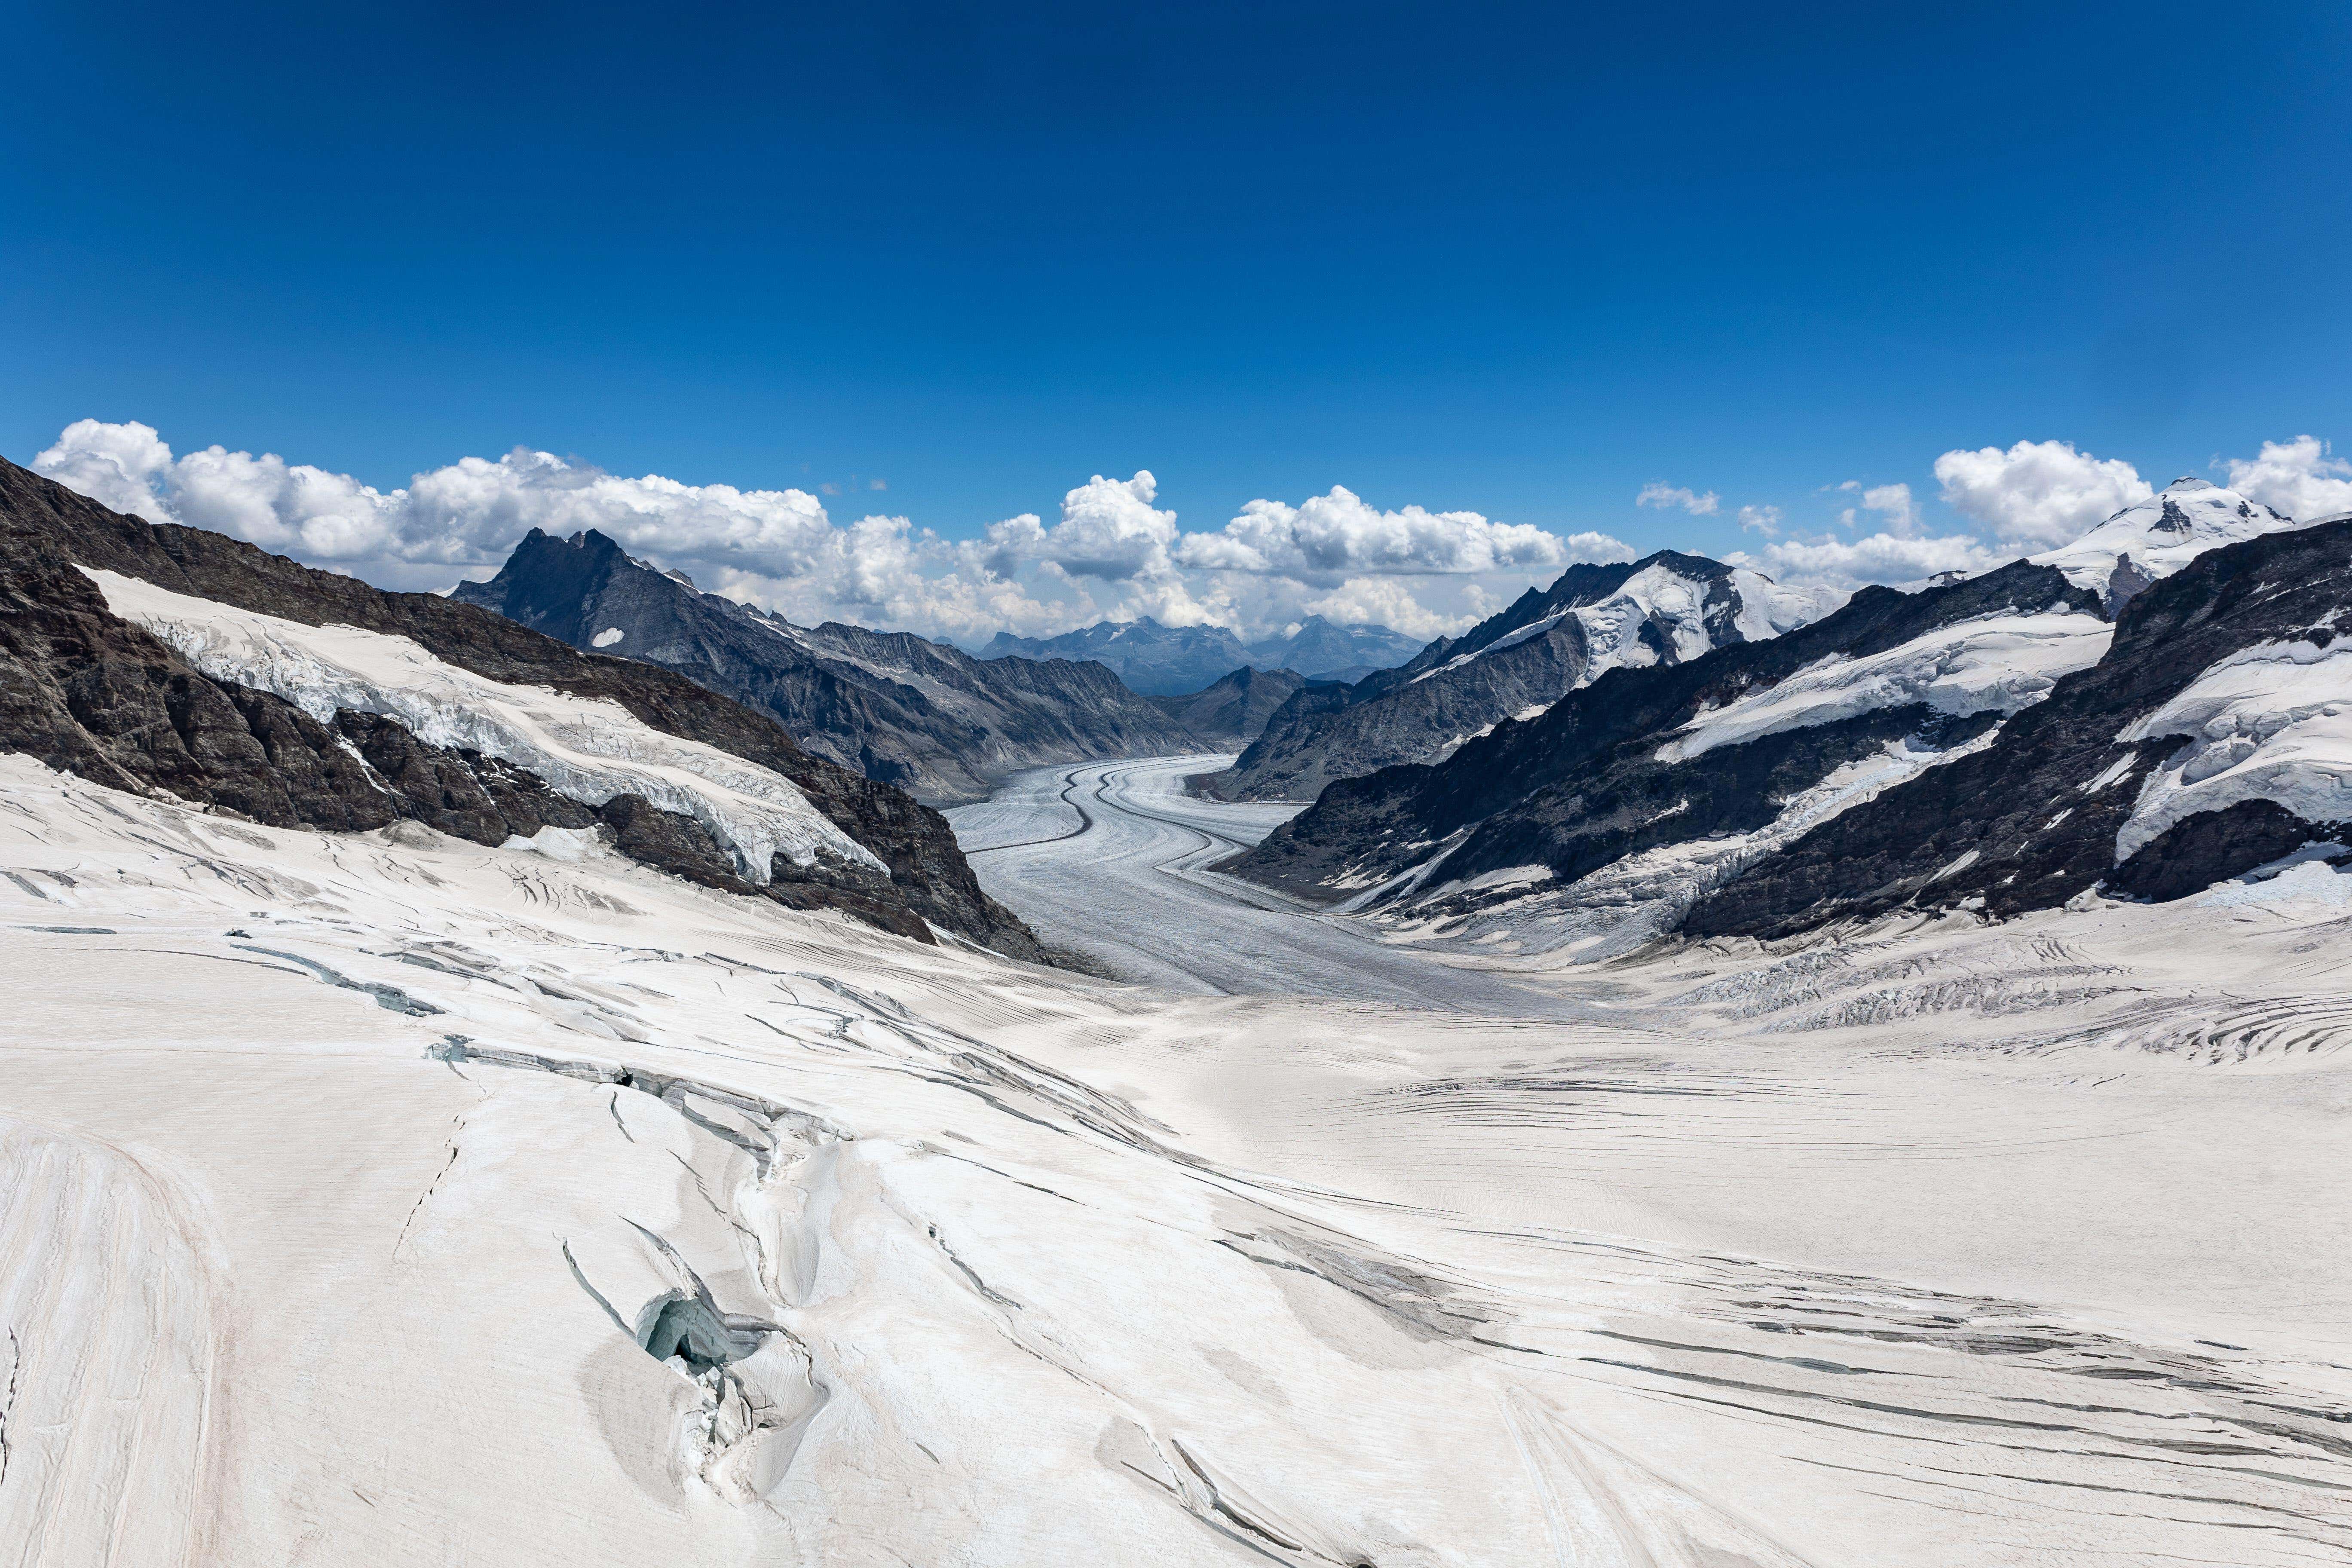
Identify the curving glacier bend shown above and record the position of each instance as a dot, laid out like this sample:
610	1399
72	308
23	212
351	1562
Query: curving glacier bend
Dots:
381	1197
1111	861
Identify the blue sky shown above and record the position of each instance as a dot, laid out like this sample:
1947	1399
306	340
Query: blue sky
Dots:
1520	262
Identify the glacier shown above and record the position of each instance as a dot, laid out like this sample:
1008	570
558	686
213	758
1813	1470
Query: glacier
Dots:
666	1224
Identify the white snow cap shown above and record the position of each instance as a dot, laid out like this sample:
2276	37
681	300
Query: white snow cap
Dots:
1767	608
1677	605
2164	532
582	748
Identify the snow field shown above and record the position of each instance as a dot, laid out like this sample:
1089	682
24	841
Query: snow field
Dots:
586	750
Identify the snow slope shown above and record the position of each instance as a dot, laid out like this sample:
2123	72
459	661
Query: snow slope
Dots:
1767	608
585	750
1677	605
384	1198
1995	664
2163	534
1641	897
2270	722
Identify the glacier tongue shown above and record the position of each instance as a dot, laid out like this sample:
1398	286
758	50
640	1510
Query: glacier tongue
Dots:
583	749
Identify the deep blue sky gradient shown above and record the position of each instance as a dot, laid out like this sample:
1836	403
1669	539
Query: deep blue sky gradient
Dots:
1516	259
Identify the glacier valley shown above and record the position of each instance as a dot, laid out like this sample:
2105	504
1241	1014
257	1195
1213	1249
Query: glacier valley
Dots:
387	1198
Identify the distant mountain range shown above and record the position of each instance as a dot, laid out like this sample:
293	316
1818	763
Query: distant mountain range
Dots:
1665	608
2148	710
922	715
1167	661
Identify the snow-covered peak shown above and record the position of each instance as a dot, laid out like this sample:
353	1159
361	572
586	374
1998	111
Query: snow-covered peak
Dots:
1658	596
1767	608
1661	607
2159	536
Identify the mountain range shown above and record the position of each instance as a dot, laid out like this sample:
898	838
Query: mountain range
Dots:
1665	608
2147	710
157	659
926	716
1167	661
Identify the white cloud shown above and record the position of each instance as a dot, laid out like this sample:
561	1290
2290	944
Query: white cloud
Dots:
1111	552
1898	514
1385	601
1664	497
2039	493
1882	557
1328	537
1763	520
118	465
2300	478
1108	529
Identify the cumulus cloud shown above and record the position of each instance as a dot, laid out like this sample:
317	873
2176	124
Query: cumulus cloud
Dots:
2301	477
1385	601
1898	514
1883	557
2038	494
467	514
1111	551
1108	529
1665	496
1328	537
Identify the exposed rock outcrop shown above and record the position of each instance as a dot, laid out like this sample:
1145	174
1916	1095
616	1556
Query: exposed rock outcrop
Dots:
2036	819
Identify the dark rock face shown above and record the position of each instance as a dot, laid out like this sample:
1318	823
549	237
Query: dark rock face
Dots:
1583	784
897	708
1234	711
1444	696
2199	851
2024	808
84	691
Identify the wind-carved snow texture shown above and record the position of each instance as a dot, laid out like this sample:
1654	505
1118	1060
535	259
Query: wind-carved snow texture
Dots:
690	1229
106	1330
585	750
2000	664
2269	722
